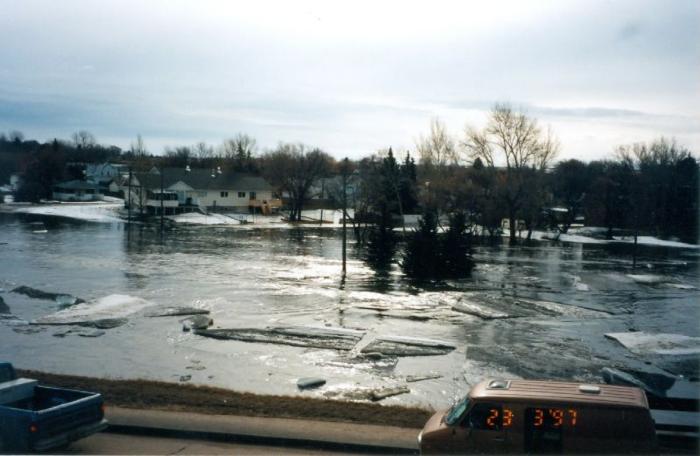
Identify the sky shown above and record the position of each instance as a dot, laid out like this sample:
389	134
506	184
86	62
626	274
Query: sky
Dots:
349	77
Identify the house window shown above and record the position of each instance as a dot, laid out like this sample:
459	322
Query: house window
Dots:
241	194
224	194
252	195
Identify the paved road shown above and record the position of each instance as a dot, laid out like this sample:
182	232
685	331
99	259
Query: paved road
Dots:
108	443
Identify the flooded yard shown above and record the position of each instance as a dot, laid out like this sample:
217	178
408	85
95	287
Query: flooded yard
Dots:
547	310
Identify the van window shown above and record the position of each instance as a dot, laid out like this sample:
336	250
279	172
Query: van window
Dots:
456	412
485	416
543	430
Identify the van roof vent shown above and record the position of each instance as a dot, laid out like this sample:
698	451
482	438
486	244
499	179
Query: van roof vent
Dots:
499	384
589	389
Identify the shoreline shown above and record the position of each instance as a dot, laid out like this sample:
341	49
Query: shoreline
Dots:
104	211
155	395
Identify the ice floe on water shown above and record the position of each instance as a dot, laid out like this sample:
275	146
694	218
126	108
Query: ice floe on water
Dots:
577	283
349	392
641	342
419	306
481	311
107	308
407	346
492	306
307	336
62	299
681	286
647	279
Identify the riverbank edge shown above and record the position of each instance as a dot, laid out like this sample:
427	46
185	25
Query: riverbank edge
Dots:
175	397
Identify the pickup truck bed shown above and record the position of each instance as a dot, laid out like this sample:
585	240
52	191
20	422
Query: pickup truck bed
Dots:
35	417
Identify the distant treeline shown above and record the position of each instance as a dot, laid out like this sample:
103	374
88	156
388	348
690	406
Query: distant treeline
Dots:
505	171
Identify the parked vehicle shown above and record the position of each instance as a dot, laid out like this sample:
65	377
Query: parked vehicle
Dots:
37	418
521	416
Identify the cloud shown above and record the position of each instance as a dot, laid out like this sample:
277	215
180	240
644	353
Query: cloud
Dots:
348	77
629	31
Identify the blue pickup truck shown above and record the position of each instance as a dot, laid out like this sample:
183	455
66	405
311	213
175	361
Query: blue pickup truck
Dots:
39	418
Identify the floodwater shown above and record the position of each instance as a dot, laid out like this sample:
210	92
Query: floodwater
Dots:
533	311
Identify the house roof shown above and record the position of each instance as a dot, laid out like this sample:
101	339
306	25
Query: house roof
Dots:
77	185
201	179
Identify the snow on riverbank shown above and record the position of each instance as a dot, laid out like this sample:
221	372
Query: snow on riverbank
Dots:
107	211
104	212
331	219
196	218
585	236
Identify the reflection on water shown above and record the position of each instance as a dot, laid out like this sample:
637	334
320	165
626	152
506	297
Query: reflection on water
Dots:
534	310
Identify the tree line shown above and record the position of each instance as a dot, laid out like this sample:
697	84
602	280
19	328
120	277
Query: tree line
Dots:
503	171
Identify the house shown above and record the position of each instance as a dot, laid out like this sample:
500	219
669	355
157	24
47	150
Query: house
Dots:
77	190
104	173
185	190
15	182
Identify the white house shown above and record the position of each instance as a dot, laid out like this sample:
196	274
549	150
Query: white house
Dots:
103	173
187	189
77	190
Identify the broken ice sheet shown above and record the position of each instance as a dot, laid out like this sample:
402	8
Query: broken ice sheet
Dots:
641	342
108	308
177	311
478	310
407	346
359	393
60	298
298	336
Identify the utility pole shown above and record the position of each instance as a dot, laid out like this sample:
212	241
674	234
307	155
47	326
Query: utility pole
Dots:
129	201
161	201
345	214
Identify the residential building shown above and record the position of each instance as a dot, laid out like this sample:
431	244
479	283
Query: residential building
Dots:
185	189
77	190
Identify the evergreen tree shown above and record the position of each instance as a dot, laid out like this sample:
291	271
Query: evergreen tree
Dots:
421	259
455	248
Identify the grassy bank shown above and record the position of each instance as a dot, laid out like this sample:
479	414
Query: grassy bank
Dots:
147	394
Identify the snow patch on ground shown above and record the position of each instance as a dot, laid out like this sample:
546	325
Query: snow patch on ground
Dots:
196	218
111	306
568	237
104	212
650	240
661	344
585	236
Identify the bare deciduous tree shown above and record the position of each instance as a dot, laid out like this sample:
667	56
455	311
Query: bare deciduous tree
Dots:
137	148
179	156
202	151
83	139
512	138
438	148
293	169
240	151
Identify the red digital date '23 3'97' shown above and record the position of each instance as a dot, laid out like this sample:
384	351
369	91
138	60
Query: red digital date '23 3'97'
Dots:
557	416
